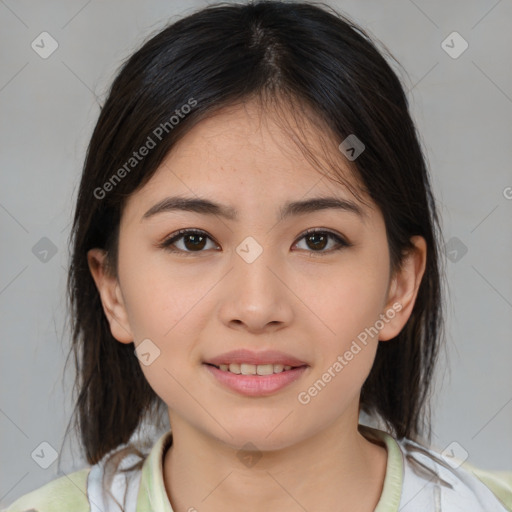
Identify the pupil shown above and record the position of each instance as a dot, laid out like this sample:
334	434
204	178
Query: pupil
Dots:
323	237
196	242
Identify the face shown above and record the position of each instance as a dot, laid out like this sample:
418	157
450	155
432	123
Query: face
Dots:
258	281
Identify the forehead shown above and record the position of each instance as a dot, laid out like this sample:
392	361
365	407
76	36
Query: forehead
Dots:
260	140
242	155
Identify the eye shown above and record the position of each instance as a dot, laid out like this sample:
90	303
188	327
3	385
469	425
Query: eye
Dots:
194	240
318	239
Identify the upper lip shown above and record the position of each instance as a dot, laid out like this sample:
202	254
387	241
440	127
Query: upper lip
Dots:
247	356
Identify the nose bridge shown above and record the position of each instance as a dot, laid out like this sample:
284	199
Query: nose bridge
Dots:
252	261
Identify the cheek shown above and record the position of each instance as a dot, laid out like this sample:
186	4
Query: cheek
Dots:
349	302
158	297
170	309
347	346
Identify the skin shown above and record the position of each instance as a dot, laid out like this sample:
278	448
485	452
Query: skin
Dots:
309	304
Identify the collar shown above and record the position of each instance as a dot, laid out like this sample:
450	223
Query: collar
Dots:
392	488
152	495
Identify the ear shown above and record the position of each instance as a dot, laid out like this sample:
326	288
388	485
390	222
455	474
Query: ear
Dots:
403	289
111	296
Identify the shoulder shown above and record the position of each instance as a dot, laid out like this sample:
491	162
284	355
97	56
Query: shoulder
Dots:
451	482
66	493
498	482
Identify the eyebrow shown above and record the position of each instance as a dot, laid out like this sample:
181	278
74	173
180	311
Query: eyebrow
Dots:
291	208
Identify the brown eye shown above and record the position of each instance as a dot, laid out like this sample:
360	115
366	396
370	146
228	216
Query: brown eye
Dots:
317	240
191	241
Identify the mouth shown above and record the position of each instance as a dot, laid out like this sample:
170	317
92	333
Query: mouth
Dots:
255	380
255	369
253	373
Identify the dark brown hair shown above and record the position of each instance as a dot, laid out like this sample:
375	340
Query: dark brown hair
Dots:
322	66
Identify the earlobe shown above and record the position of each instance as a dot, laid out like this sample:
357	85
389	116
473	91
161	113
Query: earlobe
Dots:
111	296
403	289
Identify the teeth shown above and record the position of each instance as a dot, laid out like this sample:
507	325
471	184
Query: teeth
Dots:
253	369
266	369
249	369
234	368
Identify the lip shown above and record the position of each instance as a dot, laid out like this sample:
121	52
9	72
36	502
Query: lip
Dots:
247	356
256	385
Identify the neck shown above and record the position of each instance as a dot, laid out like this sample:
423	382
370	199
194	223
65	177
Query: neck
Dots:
337	469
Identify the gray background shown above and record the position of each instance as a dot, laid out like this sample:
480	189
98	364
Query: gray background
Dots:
462	107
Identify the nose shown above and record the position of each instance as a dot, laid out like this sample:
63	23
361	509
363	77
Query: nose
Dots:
256	297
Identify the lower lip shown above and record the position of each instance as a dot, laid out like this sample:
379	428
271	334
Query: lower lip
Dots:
256	385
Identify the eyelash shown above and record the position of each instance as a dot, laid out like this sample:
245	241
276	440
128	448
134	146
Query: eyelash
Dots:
167	243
